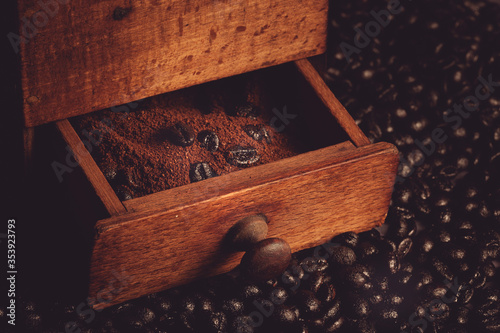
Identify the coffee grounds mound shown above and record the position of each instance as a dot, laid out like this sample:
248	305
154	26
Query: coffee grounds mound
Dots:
137	157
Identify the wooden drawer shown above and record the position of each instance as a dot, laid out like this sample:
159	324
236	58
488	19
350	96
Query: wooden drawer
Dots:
174	237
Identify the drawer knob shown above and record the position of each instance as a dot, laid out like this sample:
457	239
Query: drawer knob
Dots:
246	232
264	258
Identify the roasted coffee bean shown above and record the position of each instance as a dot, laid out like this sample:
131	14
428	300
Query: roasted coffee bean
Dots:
404	247
251	292
466	237
284	317
216	322
334	324
33	322
257	132
441	199
434	291
492	324
181	134
341	256
488	296
461	315
349	239
293	275
356	276
423	208
443	236
402	196
395	299
381	282
464	294
247	110
366	250
462	267
308	303
188	304
243	324
209	140
140	317
356	306
187	321
316	324
312	265
315	280
391	262
476	279
404	278
242	156
452	253
490	310
424	244
333	309
278	295
407	267
266	135
201	171
443	184
402	228
438	310
204	303
423	278
442	268
110	174
387	317
442	215
406	327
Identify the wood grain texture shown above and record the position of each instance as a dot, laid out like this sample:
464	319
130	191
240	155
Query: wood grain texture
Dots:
336	108
92	172
95	54
236	181
306	205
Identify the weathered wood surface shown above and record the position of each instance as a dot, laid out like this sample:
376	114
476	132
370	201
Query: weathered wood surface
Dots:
308	199
91	55
94	175
328	98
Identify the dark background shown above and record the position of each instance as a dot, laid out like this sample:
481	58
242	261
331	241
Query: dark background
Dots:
397	87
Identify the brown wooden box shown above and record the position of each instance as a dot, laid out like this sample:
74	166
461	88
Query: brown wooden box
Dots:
97	54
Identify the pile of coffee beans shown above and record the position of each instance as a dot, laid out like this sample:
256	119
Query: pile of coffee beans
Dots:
182	135
427	80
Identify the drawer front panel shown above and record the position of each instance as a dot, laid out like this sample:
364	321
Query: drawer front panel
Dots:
80	56
163	249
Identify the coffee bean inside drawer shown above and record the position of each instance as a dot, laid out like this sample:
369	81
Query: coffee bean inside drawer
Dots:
205	131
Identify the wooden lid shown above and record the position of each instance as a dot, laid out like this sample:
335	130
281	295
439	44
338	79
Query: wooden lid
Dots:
80	56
